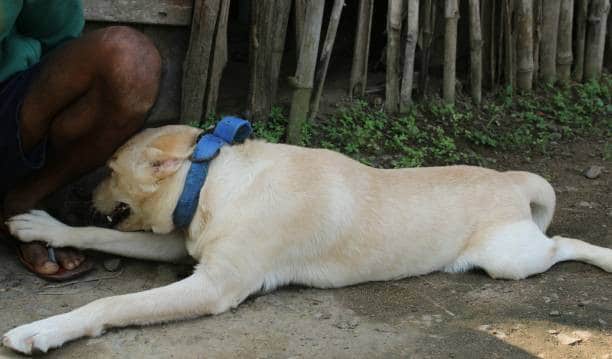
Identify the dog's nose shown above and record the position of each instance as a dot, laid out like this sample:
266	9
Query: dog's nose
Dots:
121	212
99	219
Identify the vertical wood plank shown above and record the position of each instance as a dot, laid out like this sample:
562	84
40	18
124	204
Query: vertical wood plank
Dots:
219	60
197	60
328	46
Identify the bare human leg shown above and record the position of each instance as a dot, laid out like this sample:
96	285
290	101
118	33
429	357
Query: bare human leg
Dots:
91	95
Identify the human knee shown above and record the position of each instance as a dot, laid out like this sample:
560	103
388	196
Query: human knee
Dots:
130	70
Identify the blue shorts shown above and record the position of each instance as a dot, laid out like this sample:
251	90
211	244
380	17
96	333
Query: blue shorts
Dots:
14	162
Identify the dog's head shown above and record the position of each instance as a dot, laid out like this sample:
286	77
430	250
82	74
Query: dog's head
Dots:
146	179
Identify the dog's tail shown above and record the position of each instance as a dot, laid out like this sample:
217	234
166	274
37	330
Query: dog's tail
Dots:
540	194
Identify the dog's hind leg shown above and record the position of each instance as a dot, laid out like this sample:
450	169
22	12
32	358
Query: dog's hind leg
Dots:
519	250
207	291
569	249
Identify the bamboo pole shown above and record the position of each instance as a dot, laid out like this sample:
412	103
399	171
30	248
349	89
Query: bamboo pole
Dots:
581	27
596	37
359	69
426	39
476	51
303	80
564	44
451	13
328	46
548	47
394	31
524	44
412	34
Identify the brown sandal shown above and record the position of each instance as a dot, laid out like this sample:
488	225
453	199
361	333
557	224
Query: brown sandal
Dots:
62	274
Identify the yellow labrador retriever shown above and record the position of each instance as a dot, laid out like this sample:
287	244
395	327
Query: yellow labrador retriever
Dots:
274	214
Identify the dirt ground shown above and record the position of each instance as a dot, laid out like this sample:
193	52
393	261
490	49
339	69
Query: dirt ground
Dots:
435	316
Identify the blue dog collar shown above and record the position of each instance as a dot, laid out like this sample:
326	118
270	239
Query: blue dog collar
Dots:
229	130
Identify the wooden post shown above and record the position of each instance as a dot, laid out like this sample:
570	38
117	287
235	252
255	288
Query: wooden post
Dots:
219	60
501	39
524	44
394	33
328	46
268	25
412	34
197	59
608	51
426	38
564	45
451	13
475	52
495	36
548	47
537	35
299	15
486	21
581	27
596	39
509	58
303	80
359	69
282	8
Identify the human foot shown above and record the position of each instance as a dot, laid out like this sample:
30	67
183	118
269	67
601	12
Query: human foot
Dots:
69	258
36	255
67	263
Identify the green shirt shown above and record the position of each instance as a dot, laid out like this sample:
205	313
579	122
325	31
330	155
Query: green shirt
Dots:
30	28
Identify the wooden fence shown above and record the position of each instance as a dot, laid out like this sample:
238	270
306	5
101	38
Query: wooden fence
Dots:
514	43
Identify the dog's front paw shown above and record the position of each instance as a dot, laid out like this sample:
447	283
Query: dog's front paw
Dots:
35	337
39	226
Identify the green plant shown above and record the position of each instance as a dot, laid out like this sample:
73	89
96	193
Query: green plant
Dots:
435	133
272	130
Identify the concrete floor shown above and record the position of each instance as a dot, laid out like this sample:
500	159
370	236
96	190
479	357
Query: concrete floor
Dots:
436	316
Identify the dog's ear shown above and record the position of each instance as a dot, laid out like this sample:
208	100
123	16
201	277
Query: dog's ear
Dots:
161	164
167	152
